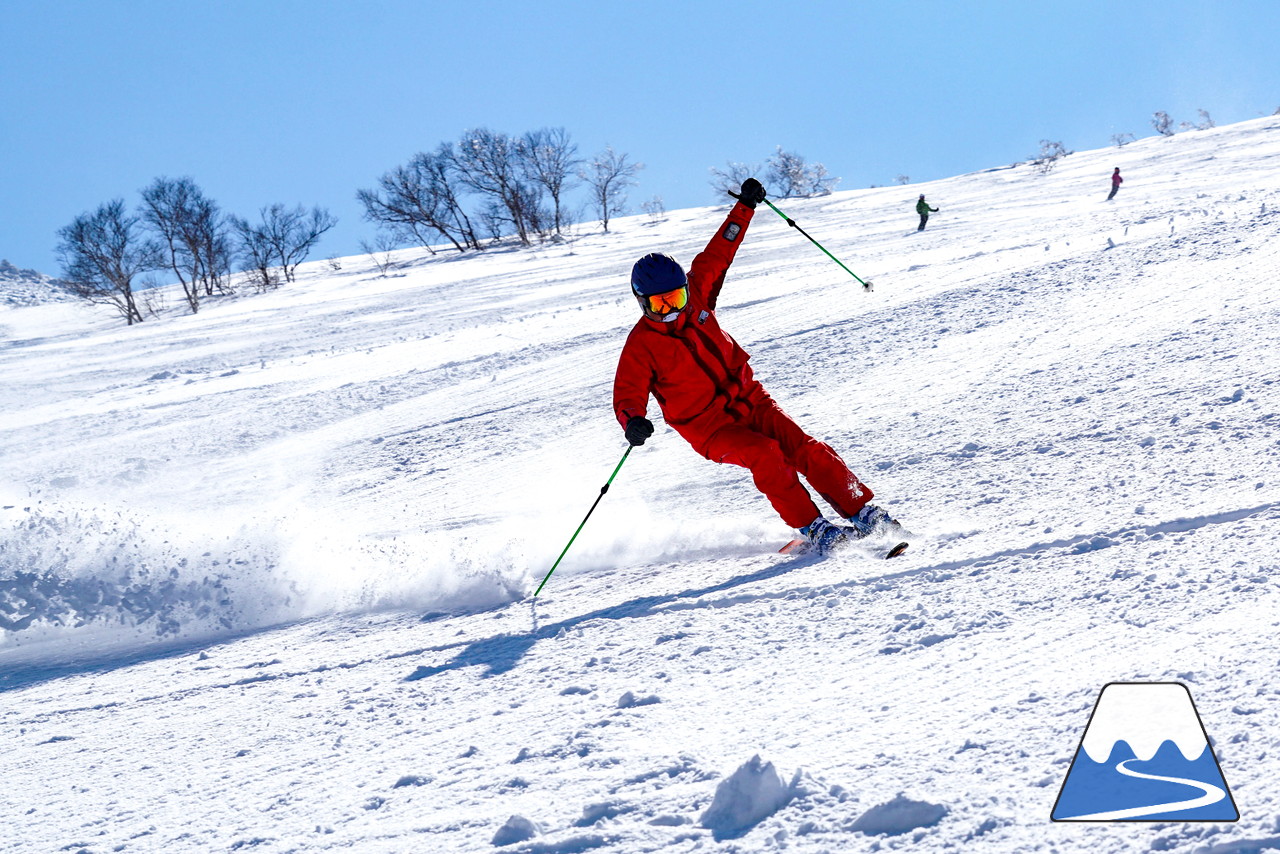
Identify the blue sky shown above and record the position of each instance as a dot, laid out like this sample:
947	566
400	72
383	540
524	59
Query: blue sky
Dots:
306	102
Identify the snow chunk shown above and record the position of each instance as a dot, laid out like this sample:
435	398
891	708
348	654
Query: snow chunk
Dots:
593	813
668	820
630	700
898	816
750	795
1093	544
411	780
517	829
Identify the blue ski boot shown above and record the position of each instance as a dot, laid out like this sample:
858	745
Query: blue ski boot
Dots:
871	521
822	535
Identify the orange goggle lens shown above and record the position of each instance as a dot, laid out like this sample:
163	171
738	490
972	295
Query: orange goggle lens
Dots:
668	302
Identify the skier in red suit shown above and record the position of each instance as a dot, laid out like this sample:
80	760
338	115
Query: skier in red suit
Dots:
1116	181
704	385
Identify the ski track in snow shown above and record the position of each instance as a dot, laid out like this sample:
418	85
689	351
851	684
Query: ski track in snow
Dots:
1210	794
261	568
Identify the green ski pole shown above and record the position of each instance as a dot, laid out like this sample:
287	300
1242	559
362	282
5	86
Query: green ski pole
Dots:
791	222
603	490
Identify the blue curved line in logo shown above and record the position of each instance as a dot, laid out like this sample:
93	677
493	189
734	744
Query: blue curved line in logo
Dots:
1116	790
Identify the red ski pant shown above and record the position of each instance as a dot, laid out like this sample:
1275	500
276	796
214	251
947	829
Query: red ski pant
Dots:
775	449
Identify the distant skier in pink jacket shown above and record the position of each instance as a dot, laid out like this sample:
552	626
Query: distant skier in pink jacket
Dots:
1116	181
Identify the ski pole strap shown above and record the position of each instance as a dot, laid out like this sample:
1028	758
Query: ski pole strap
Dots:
603	490
791	222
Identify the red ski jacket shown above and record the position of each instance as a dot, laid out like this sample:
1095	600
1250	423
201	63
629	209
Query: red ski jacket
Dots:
696	371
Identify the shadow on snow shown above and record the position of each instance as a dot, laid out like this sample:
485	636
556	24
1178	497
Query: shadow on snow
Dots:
501	653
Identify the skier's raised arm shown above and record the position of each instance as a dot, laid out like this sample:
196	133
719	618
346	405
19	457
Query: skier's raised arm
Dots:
706	274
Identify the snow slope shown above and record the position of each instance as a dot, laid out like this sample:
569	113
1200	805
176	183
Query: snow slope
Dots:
262	566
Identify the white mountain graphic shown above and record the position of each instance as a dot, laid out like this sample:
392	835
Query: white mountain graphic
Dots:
1144	715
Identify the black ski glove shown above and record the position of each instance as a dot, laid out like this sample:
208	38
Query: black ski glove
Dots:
752	193
638	429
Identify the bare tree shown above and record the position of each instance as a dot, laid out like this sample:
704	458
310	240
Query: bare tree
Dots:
1206	122
421	200
731	177
497	216
654	208
193	236
381	251
1162	123
165	204
102	253
609	175
208	234
791	176
549	159
902	179
1050	153
1120	140
257	254
489	163
786	176
154	299
530	201
291	233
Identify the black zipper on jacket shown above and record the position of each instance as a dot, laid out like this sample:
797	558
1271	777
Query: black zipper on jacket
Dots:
732	387
721	387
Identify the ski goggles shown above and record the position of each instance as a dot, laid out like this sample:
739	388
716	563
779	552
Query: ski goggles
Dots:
665	303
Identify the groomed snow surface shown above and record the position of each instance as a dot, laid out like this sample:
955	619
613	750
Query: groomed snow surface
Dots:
265	568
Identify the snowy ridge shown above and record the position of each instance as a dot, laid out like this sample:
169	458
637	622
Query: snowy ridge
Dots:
29	287
261	568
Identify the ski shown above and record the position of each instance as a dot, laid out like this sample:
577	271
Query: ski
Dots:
801	546
795	547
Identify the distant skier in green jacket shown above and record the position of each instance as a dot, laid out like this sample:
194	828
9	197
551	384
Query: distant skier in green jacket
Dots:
922	208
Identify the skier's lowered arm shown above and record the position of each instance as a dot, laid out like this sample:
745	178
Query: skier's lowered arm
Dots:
631	385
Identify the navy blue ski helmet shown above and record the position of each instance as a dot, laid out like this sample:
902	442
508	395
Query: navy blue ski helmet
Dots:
656	273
